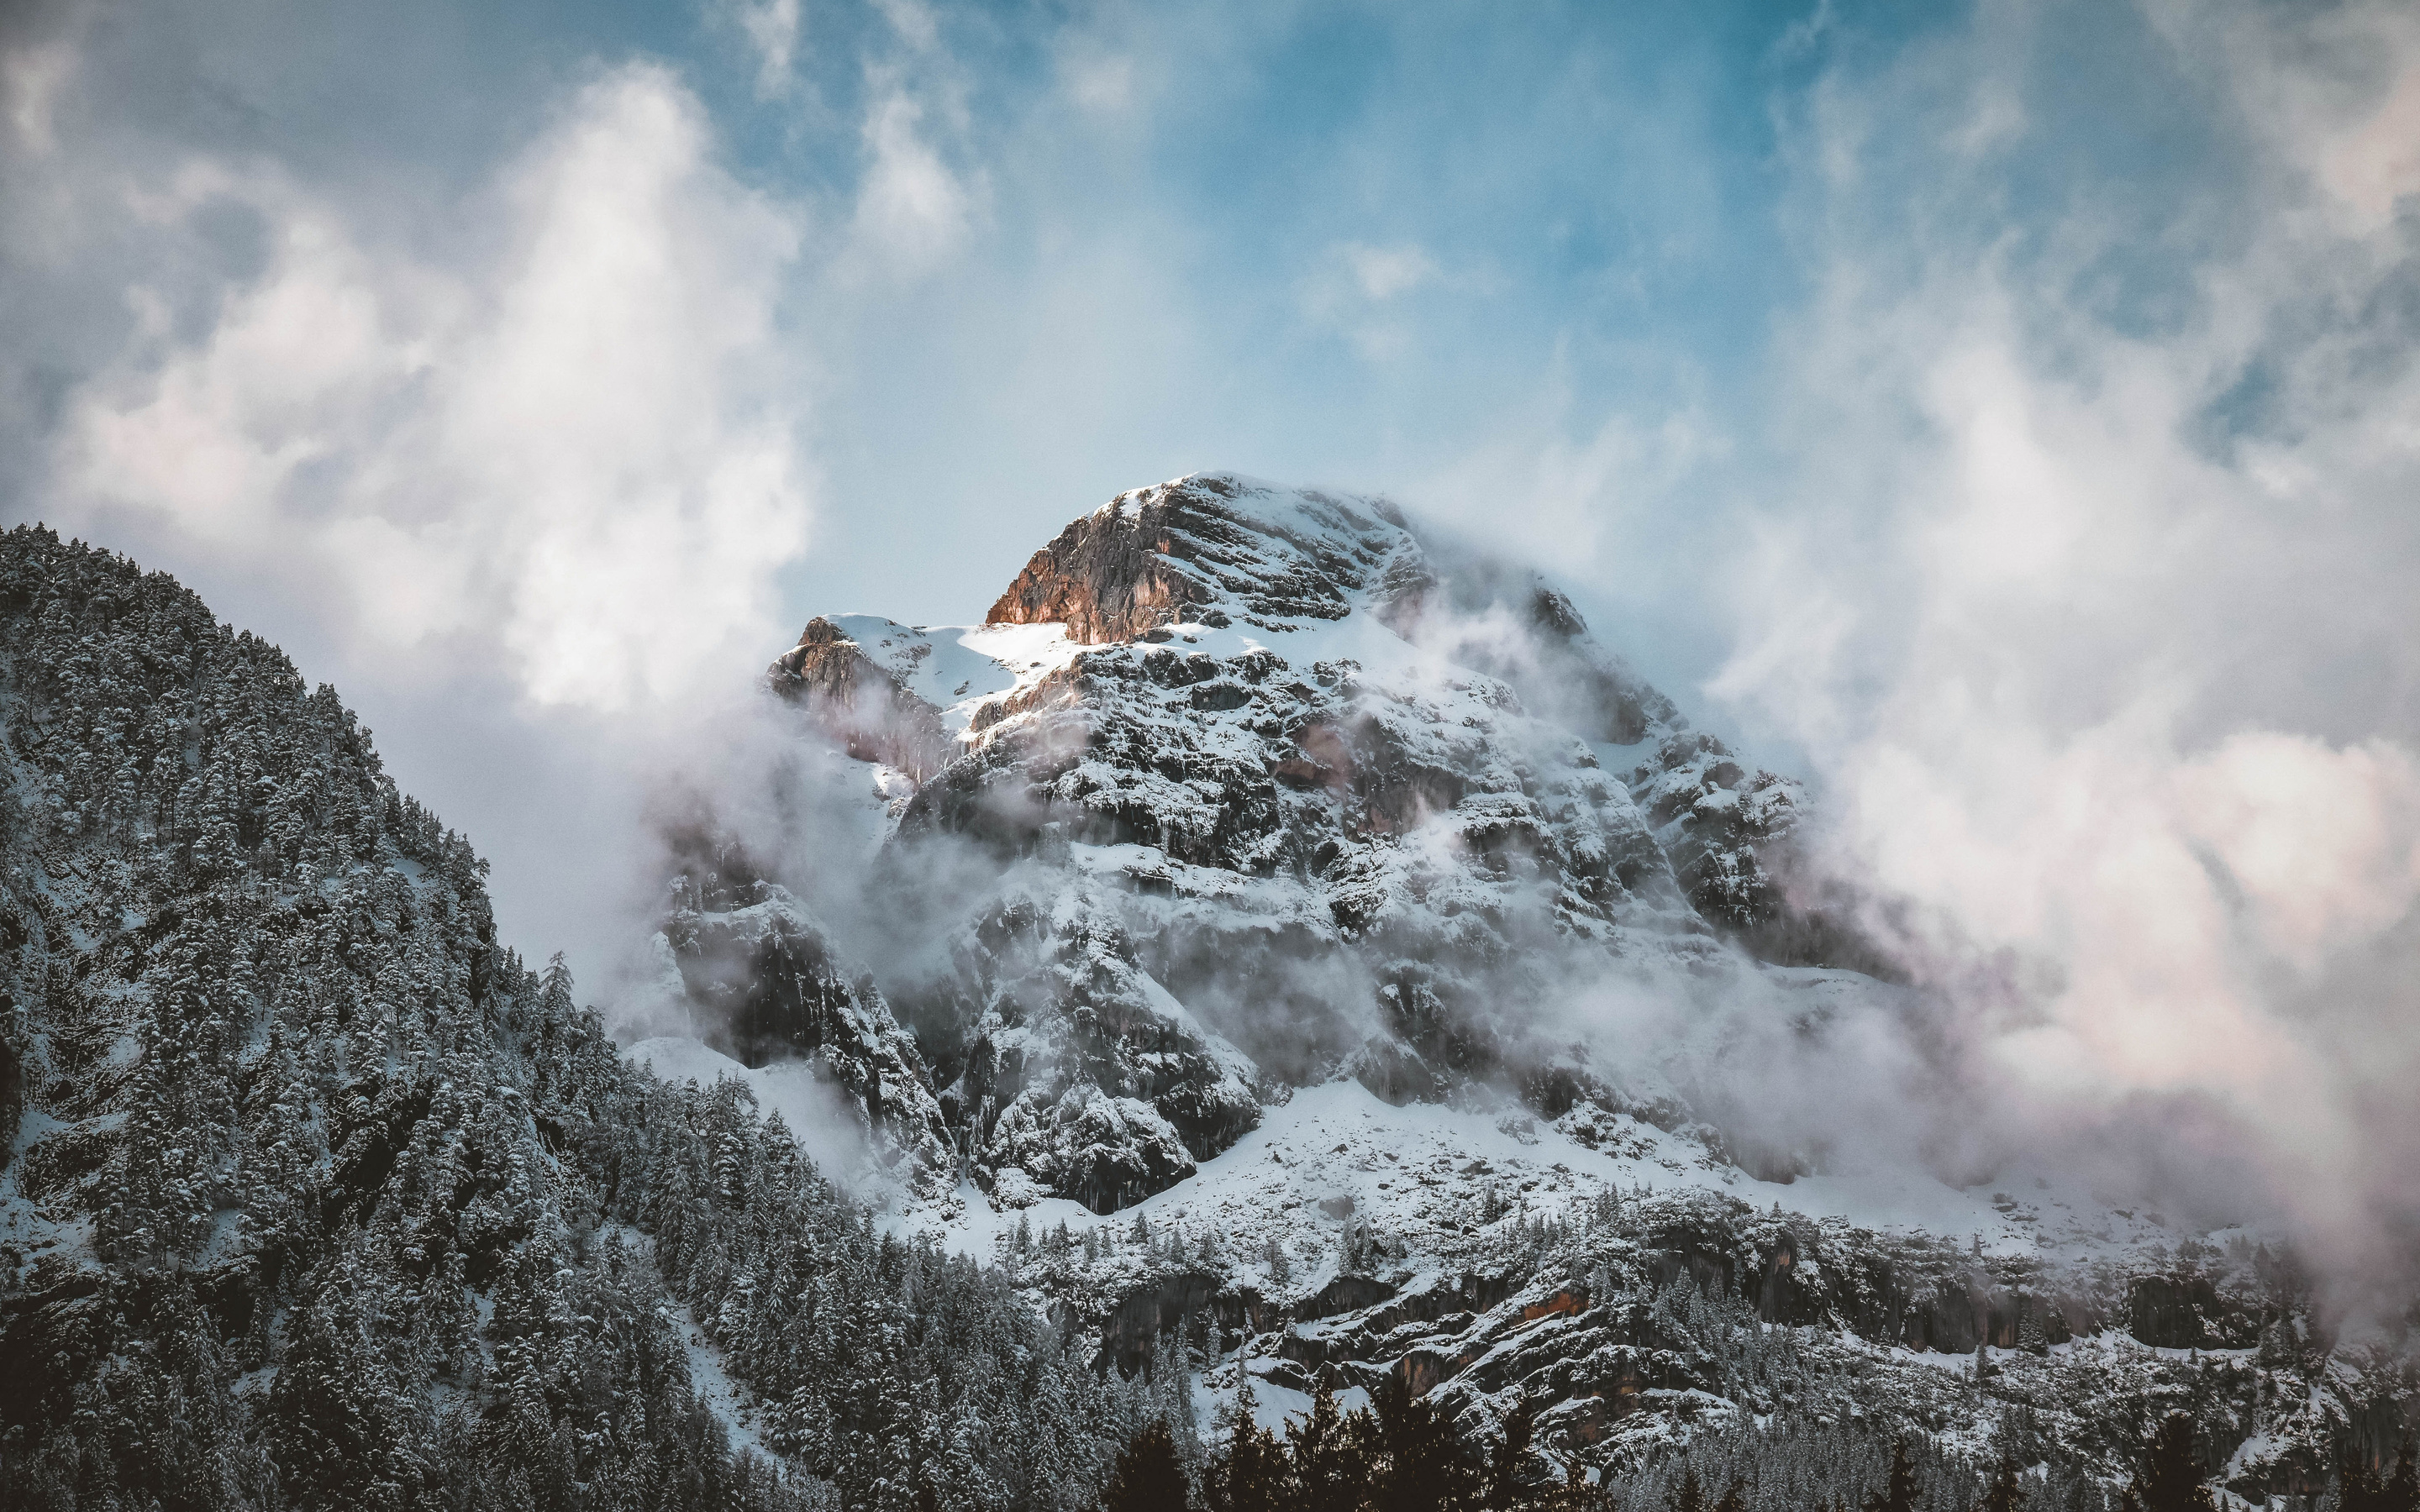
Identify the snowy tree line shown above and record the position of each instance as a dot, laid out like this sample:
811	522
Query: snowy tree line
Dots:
1401	1455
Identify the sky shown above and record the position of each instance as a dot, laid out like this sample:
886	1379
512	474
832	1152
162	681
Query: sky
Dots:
2001	415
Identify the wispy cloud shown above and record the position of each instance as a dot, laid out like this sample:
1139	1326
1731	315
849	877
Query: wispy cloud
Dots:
771	29
569	442
2106	672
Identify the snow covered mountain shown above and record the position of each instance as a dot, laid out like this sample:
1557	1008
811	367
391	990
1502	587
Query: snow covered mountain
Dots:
1258	873
1261	793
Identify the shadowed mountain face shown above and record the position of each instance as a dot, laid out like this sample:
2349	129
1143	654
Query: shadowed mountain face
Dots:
1263	786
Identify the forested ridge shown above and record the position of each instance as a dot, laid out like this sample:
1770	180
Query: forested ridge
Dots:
1402	1455
315	1196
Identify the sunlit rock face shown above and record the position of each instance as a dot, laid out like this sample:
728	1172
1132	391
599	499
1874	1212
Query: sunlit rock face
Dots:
1267	787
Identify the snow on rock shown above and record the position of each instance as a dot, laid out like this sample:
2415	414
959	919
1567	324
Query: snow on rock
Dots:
1067	1062
762	983
1647	1294
1273	786
1729	832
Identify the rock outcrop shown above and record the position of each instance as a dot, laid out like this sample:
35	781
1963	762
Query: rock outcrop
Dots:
1208	542
1731	833
763	983
863	704
1072	1071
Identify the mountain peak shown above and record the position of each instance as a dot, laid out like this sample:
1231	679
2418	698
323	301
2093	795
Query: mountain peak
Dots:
1219	711
1206	543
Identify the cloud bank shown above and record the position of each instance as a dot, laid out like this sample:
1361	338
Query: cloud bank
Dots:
2092	610
561	436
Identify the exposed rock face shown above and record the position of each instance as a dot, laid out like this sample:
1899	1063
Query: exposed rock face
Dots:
2187	1312
1143	559
1622	1341
1106	579
1075	1073
1106	1152
1255	815
765	984
13	1100
1731	835
1715	820
861	703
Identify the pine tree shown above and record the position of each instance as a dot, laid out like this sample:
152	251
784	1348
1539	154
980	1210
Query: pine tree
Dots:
2171	1477
1507	1490
1688	1495
1423	1465
2007	1492
1248	1475
1577	1493
1328	1455
2401	1493
1898	1491
332	1411
1148	1477
2030	1334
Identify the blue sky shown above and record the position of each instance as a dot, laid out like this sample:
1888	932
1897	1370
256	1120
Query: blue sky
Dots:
1389	247
1371	246
2000	414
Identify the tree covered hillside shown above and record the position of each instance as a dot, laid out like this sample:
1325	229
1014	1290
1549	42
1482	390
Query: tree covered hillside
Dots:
311	1195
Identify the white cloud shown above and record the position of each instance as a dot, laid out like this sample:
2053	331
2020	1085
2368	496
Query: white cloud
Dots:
573	443
1384	273
2322	844
772	27
1098	80
1354	288
912	211
912	21
2336	93
2090	689
31	81
1576	500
